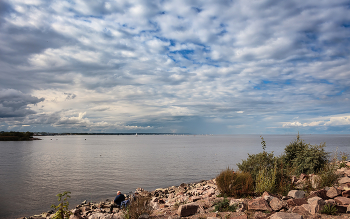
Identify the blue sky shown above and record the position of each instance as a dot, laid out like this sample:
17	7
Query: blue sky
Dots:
184	66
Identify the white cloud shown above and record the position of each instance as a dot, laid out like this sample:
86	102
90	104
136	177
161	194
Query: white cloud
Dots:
140	63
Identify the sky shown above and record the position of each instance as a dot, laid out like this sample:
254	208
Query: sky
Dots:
175	66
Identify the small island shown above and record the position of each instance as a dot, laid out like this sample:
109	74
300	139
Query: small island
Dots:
17	136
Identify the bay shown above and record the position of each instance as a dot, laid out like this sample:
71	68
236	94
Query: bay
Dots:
95	167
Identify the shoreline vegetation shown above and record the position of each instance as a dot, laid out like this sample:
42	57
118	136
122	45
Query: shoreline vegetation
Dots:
303	183
17	136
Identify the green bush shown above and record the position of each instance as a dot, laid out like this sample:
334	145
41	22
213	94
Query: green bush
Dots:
329	209
305	158
235	184
266	180
62	208
224	206
255	162
327	175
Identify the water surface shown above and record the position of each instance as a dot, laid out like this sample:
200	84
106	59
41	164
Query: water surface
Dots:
94	168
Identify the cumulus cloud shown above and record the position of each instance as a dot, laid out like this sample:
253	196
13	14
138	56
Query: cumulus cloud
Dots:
14	103
163	63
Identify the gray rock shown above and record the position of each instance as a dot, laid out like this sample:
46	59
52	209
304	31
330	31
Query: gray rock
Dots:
315	205
187	209
276	204
344	180
285	215
342	200
333	192
259	204
296	194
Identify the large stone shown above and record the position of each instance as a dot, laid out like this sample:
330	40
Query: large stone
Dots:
296	194
342	200
296	202
260	215
344	180
347	172
259	204
315	181
314	205
300	210
341	208
240	203
285	215
276	204
267	196
187	209
333	192
319	193
346	194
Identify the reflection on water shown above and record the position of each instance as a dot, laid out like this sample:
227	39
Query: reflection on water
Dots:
32	173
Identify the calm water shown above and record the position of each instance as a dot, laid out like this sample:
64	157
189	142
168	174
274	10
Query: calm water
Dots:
94	168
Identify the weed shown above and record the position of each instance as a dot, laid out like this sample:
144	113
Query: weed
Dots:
224	181
138	207
224	206
235	184
266	180
62	208
329	209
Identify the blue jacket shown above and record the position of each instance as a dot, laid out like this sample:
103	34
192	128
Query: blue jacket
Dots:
118	200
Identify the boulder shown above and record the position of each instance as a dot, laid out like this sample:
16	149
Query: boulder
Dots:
240	203
344	180
187	209
296	194
300	210
341	208
314	205
333	192
346	194
260	215
342	200
285	215
267	196
330	201
319	193
347	172
259	204
296	202
315	181
276	204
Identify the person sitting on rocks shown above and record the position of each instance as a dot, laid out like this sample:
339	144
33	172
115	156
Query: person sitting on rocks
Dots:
119	199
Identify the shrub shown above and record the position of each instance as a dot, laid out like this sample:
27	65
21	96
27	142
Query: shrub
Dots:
305	158
255	162
329	209
62	211
328	175
235	184
138	207
224	181
224	206
242	185
266	180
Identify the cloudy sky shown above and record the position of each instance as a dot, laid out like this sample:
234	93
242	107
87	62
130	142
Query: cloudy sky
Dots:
175	66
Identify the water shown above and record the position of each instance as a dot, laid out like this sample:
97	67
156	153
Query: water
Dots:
94	168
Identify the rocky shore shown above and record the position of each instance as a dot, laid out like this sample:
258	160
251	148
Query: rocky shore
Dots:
198	200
